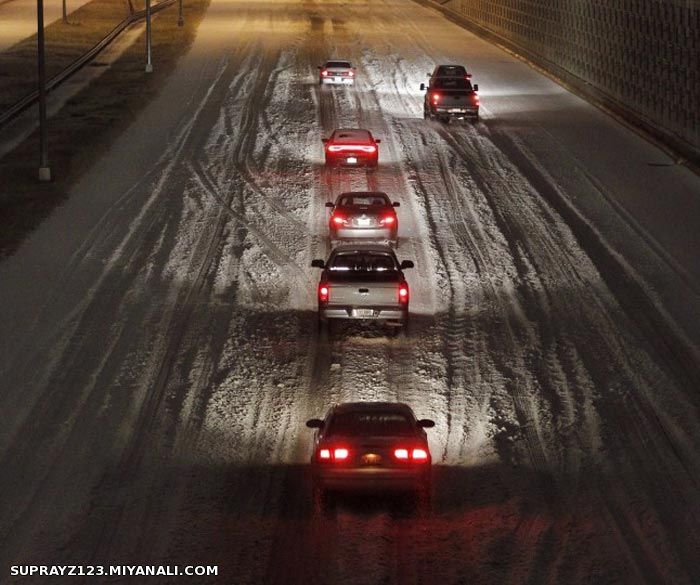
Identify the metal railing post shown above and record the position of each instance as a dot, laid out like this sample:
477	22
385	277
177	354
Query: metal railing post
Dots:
149	64
44	168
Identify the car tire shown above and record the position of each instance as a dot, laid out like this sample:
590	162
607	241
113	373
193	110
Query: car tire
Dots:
426	114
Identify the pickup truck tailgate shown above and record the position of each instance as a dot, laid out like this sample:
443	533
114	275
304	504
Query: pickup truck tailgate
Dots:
364	294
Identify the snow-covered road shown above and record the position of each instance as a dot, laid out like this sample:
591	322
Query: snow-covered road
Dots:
159	352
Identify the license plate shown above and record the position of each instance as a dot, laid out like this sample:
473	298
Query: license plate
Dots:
363	313
338	79
363	221
456	110
352	160
371	459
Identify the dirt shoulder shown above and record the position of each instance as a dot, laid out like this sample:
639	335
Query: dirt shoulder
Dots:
88	123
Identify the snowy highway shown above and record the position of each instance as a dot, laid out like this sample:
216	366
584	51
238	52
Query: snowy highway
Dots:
159	352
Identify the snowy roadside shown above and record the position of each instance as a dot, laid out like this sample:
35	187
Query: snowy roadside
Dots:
88	112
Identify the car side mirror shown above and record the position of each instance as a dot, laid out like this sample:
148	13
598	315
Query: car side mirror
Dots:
422	86
318	263
378	140
406	264
324	140
330	204
476	87
316	423
396	204
424	423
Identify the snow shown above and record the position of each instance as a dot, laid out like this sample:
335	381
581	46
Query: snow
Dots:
160	352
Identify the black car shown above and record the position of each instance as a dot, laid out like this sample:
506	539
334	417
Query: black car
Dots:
371	447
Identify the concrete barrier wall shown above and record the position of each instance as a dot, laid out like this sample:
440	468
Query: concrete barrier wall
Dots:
643	54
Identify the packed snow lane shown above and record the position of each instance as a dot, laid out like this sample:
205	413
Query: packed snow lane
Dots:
160	360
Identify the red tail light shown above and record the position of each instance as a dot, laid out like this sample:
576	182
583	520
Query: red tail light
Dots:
324	73
339	220
352	147
351	73
475	99
435	97
324	292
388	220
403	294
419	455
336	454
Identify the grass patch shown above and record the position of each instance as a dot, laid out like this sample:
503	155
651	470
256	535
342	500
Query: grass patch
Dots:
64	44
88	124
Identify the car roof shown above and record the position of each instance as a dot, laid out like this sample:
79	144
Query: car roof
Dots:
377	194
399	407
351	134
369	247
338	61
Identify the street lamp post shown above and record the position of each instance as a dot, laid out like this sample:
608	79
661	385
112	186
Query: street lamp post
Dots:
44	168
149	64
65	14
180	18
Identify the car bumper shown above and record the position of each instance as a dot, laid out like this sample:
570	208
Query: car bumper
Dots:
337	80
361	313
363	234
456	112
343	161
371	479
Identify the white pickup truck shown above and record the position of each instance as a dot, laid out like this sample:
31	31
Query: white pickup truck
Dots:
363	281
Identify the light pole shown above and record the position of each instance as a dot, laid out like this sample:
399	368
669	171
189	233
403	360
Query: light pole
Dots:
180	18
149	65
44	168
65	15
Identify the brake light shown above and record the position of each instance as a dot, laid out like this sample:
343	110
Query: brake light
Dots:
418	454
335	454
388	220
352	147
324	73
403	294
338	219
323	293
475	99
351	73
435	97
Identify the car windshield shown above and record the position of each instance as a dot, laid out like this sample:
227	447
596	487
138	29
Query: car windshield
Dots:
452	83
370	424
338	65
364	200
366	266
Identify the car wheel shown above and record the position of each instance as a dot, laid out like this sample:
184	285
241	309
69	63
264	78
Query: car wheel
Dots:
323	500
426	114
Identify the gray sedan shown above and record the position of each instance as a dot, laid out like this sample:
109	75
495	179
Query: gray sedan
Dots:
366	215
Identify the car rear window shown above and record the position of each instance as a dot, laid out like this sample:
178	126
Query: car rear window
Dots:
374	424
451	71
452	83
359	136
365	266
338	64
363	200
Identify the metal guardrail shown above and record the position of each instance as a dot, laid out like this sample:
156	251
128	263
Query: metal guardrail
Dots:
19	107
